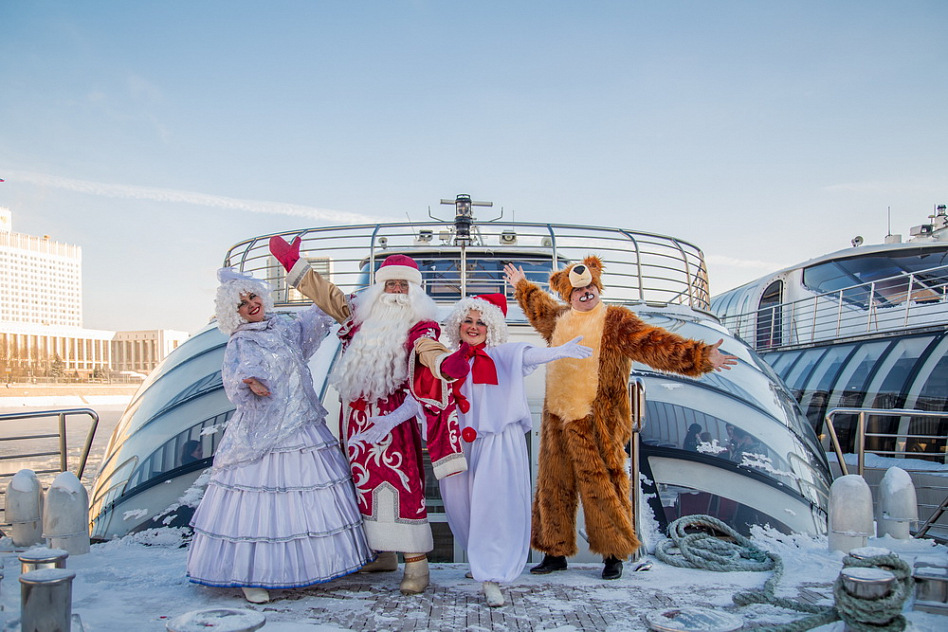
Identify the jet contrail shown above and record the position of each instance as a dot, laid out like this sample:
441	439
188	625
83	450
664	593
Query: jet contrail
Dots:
128	192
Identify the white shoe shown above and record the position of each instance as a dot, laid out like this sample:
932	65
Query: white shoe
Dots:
495	598
386	561
416	578
255	595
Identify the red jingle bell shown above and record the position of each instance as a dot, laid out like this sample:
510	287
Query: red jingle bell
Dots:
469	434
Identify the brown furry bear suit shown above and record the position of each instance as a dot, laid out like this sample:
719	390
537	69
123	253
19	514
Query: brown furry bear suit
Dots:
586	416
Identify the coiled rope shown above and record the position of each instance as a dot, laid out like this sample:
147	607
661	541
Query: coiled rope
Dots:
865	615
707	551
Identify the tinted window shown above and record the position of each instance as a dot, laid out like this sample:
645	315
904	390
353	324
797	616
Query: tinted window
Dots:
801	370
890	272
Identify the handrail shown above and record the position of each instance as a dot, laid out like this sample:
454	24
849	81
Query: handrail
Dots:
61	413
639	266
637	409
925	526
861	433
853	311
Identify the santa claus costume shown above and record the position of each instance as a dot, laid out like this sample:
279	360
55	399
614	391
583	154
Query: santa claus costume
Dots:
280	508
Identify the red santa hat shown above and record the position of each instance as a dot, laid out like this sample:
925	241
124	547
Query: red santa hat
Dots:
497	300
398	267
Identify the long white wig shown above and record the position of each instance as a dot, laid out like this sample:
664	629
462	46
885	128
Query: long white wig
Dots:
233	284
375	364
490	314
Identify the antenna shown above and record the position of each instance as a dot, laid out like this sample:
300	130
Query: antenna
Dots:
463	218
889	221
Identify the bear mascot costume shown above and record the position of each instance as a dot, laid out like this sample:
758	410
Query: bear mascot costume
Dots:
586	416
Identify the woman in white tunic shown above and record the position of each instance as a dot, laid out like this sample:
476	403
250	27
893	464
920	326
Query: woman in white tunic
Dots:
488	506
280	508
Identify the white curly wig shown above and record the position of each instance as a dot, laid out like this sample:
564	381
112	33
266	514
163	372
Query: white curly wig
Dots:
233	284
490	314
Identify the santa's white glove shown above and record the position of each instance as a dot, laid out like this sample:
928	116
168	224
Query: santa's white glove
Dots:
382	425
532	356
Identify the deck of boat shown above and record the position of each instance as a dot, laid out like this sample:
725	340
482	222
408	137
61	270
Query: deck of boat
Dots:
139	583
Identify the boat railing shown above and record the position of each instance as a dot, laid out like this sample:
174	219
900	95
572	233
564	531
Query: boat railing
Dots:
639	267
34	448
637	407
894	303
901	441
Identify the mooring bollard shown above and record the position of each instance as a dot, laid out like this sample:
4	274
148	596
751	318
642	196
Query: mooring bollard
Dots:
867	582
218	620
46	600
24	508
42	557
66	516
865	597
898	504
850	513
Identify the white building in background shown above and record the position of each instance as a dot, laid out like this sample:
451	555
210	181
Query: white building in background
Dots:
41	333
141	351
41	279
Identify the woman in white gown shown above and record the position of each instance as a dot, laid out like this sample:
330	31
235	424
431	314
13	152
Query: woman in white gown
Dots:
488	506
280	508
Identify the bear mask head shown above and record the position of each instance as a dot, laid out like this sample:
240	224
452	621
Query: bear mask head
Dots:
577	275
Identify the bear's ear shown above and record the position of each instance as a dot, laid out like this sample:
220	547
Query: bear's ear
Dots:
558	279
595	264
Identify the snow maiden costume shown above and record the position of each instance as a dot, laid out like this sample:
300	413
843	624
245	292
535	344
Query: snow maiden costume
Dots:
280	508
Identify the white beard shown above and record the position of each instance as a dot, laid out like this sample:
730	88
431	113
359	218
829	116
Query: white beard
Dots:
375	364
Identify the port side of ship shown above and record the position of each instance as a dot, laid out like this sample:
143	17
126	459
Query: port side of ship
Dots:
780	476
860	337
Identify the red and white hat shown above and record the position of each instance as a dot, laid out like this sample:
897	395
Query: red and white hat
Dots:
497	300
400	267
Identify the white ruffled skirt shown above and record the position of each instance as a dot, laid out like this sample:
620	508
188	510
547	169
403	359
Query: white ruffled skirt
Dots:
287	520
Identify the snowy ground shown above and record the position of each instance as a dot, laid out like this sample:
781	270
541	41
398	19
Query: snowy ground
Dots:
138	584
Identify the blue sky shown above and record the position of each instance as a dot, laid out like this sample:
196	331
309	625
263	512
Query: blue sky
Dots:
157	134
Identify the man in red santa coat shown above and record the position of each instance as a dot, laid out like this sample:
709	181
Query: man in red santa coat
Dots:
390	344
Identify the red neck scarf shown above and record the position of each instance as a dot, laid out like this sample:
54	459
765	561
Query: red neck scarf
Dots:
483	371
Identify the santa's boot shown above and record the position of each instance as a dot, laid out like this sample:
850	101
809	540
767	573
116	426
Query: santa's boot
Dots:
492	593
415	579
386	561
255	595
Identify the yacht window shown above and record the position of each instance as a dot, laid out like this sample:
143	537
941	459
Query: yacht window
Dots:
783	362
801	370
485	273
770	317
924	271
817	389
928	393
